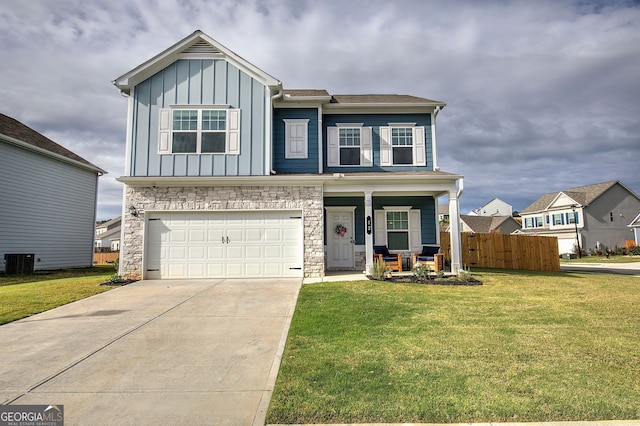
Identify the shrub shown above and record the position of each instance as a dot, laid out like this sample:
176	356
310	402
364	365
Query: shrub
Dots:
379	270
421	271
635	251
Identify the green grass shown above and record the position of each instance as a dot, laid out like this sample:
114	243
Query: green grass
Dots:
524	346
25	295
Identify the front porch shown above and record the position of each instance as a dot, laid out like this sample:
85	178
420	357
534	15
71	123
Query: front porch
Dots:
398	211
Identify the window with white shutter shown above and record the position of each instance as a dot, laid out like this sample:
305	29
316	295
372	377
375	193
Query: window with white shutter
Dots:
206	130
349	145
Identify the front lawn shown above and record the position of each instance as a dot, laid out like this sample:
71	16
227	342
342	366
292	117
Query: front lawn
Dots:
524	346
25	295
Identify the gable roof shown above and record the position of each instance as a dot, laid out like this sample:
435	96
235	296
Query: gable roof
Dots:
584	195
196	45
17	133
483	224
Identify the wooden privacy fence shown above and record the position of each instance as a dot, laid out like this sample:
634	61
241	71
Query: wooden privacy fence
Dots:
507	251
100	258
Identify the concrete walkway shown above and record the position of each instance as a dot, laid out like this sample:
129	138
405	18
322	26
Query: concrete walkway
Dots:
154	352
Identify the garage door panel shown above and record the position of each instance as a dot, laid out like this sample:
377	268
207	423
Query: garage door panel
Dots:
197	235
253	235
254	252
224	244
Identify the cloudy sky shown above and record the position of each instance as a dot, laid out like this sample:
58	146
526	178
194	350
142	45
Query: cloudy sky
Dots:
542	96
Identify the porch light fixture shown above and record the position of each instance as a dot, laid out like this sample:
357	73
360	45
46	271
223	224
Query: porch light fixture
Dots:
575	222
133	212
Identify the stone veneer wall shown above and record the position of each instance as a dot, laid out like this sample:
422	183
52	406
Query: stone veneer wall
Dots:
305	198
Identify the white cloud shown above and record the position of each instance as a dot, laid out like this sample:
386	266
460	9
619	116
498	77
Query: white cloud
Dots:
541	96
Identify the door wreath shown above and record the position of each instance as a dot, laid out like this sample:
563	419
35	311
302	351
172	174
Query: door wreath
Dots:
341	230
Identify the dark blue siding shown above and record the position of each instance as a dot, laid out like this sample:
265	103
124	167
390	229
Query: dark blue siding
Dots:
427	206
375	121
282	165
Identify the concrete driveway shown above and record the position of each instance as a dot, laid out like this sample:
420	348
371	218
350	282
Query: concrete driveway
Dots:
154	352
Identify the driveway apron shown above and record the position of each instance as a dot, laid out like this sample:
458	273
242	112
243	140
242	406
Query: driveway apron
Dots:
154	352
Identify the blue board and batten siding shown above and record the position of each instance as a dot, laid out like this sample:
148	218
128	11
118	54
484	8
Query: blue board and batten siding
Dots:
198	82
297	165
48	209
375	121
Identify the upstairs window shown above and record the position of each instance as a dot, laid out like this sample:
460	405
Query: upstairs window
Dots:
349	145
199	131
402	144
349	140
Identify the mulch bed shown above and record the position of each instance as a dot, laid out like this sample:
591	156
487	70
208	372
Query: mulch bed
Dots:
118	282
466	281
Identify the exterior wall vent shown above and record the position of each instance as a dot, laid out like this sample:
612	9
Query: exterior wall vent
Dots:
202	47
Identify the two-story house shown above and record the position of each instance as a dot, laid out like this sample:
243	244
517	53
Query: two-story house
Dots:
495	207
230	175
592	216
108	234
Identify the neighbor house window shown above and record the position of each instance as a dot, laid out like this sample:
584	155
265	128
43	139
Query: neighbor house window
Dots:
296	138
349	145
398	230
557	219
199	131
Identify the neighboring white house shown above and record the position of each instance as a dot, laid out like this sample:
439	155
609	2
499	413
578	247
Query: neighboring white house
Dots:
635	226
48	202
495	207
108	234
593	216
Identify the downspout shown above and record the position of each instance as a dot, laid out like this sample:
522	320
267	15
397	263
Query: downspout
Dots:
269	148
434	145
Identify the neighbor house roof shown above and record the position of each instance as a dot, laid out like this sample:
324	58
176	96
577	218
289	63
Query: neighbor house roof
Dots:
635	222
583	195
17	133
483	224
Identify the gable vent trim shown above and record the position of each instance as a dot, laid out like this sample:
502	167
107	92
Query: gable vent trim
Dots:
202	47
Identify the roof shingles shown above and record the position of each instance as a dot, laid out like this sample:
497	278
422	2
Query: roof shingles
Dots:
16	130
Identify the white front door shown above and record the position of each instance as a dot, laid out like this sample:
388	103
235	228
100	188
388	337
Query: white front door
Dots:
340	235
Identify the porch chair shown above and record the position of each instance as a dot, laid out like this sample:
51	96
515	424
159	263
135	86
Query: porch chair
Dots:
429	257
393	261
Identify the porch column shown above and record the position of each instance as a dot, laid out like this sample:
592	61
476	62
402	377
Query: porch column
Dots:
454	225
368	231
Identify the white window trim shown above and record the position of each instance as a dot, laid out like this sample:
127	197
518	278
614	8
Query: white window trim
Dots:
418	147
333	145
415	227
232	131
291	142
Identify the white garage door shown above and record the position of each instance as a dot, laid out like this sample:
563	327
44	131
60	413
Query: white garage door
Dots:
566	245
234	244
